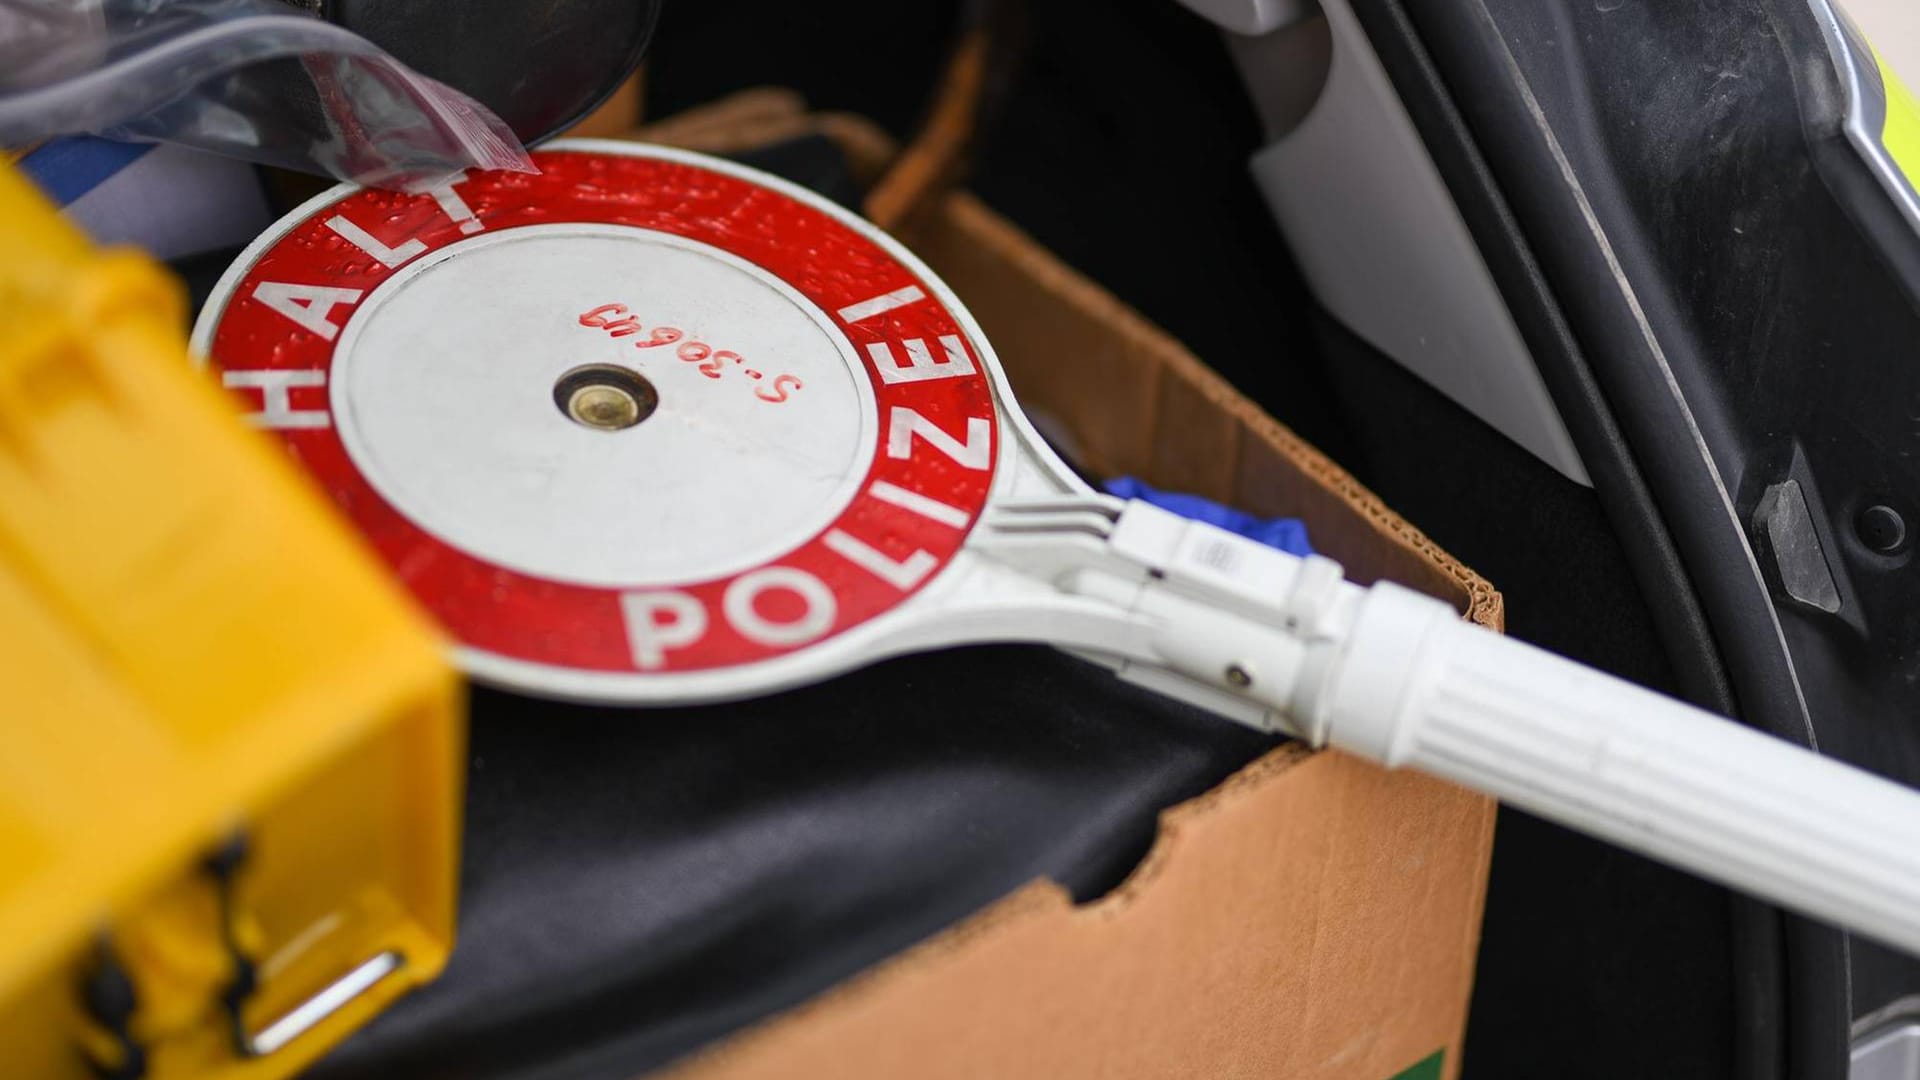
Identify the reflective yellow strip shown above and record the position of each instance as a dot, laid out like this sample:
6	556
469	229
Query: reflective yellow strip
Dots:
1902	133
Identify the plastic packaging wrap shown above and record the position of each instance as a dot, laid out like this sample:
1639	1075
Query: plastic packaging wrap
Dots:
244	78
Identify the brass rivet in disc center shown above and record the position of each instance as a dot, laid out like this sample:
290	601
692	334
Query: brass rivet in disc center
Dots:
605	397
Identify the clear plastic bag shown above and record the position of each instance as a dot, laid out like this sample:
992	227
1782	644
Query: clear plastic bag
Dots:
244	78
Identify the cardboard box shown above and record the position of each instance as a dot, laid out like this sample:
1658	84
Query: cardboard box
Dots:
1314	916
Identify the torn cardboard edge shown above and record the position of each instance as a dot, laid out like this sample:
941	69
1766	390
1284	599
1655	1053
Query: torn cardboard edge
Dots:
1179	425
1313	917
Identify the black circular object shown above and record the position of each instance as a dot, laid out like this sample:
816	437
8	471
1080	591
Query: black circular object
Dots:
541	65
1882	529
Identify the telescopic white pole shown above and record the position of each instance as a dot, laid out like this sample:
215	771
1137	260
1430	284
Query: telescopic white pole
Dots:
1415	686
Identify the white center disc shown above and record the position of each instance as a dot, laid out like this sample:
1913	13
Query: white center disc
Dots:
443	390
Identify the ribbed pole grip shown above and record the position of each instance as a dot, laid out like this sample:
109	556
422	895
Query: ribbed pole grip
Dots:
1417	687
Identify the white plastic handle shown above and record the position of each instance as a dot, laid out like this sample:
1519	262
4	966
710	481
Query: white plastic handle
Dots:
1415	686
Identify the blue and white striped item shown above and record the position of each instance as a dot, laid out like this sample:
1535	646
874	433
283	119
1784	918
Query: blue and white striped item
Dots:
170	200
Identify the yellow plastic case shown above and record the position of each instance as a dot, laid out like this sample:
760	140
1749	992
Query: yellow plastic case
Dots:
230	750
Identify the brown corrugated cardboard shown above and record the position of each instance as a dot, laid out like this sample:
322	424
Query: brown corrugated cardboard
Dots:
1312	917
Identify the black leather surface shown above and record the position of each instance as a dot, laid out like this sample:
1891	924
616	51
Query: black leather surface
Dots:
539	66
639	883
